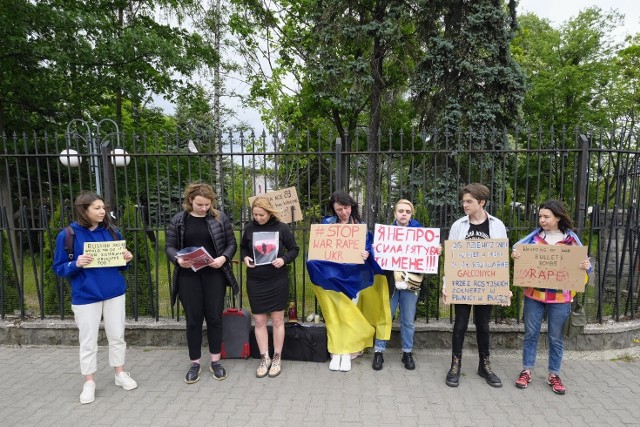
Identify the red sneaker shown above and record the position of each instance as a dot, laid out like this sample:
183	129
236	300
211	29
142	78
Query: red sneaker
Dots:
556	384
523	379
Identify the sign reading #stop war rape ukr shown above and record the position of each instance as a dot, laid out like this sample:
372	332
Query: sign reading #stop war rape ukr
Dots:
477	271
413	249
341	243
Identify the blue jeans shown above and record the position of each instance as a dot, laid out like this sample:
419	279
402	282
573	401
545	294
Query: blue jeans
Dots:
407	301
557	315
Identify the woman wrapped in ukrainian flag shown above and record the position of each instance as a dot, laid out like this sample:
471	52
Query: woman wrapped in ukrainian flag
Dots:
354	298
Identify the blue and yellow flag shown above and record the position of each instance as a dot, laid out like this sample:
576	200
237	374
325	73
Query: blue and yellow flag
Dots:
351	327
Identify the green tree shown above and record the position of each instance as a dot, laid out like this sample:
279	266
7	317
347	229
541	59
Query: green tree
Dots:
467	76
568	70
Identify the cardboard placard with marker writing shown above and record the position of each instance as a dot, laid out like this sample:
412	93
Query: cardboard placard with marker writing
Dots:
477	271
342	243
550	267
286	201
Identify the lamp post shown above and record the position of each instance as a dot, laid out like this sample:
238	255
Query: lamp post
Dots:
99	155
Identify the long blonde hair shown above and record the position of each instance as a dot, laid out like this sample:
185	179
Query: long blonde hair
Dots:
264	203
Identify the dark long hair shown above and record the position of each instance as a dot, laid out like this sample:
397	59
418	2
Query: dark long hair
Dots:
82	203
345	199
558	209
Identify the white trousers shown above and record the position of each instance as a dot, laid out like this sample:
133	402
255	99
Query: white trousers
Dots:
88	320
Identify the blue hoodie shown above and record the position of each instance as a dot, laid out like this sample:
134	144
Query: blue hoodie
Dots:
88	285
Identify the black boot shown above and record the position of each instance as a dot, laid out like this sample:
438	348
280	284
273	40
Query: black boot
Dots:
407	359
453	376
378	360
484	370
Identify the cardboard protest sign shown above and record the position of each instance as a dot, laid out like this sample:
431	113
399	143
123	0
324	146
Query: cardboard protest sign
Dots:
106	254
477	271
342	243
283	200
550	267
413	249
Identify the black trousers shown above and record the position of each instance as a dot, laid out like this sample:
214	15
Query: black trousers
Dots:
202	296
481	317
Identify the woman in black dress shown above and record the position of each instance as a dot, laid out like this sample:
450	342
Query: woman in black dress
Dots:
262	248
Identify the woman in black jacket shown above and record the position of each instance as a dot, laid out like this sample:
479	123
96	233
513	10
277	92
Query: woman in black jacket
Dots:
202	292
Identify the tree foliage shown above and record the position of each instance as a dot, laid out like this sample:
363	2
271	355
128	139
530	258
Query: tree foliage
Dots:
63	59
570	73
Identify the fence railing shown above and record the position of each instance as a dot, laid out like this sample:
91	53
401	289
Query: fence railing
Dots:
142	178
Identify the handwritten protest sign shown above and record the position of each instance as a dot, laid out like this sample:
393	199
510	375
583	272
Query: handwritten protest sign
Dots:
283	200
550	267
477	271
106	254
342	243
413	249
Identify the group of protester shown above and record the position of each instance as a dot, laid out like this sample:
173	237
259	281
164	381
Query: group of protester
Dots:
357	300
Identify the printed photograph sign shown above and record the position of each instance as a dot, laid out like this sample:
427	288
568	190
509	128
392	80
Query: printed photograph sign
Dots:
265	247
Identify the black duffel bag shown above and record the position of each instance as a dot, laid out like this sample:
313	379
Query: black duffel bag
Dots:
303	343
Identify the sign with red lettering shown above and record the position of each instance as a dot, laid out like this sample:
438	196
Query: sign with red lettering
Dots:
413	249
477	271
550	267
341	243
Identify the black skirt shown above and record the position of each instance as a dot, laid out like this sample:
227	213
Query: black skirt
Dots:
268	288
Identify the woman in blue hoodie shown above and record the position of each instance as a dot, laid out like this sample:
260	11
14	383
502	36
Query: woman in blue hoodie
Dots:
95	292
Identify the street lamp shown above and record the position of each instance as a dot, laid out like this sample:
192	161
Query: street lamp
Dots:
99	154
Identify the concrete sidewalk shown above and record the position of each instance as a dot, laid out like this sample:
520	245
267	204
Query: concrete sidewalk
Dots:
41	386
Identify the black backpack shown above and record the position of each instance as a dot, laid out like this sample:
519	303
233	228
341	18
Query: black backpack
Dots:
70	238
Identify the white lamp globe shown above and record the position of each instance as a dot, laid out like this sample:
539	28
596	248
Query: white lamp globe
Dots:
70	158
119	157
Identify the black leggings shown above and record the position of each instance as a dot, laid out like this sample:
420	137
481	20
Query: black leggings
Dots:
481	317
202	296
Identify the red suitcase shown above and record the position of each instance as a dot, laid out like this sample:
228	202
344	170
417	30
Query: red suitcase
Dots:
236	325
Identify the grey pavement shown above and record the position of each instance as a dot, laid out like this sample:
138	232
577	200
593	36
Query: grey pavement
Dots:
41	386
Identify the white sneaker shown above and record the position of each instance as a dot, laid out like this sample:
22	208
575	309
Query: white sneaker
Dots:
345	363
124	380
88	394
334	365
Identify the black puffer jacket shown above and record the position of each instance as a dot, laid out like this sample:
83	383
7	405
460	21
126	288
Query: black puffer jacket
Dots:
223	239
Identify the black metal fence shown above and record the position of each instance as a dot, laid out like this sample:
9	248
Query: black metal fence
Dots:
142	178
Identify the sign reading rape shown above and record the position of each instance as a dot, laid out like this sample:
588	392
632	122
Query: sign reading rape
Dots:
285	201
342	243
413	249
106	254
550	267
477	271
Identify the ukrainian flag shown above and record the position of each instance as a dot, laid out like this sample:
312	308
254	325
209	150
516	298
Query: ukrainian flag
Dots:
352	326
